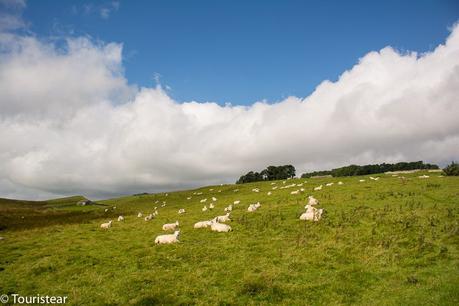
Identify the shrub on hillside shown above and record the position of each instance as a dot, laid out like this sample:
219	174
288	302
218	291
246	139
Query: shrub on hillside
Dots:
452	169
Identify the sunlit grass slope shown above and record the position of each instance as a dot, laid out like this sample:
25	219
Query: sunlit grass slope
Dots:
386	242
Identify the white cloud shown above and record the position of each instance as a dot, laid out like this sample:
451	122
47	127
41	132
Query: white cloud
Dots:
70	123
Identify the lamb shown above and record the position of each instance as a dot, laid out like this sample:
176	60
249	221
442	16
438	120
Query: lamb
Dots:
204	208
312	201
224	218
220	227
236	202
170	226
318	188
106	225
139	215
181	211
120	218
203	201
149	217
167	239
229	208
202	224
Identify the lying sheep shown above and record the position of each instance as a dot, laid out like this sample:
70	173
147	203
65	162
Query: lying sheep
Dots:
106	225
202	224
214	199
120	218
318	188
170	226
224	218
340	183
167	239
203	201
220	227
181	211
236	202
269	193
254	207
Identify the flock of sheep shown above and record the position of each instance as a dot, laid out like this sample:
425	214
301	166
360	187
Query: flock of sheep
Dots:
217	224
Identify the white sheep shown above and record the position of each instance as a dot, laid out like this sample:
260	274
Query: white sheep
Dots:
139	215
220	227
224	218
253	207
340	183
274	188
203	201
188	198
329	184
214	199
181	211
163	205
170	226
302	189
120	218
236	202
235	190
295	192
318	188
106	225
361	181
149	217
167	239
256	190
106	209
269	193
202	224
211	189
229	208
312	201
211	206
204	208
424	176
376	178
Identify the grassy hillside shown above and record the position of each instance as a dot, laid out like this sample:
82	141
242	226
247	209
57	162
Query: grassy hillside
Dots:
386	242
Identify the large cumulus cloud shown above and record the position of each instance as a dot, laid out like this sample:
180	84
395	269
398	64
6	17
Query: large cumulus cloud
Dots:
70	122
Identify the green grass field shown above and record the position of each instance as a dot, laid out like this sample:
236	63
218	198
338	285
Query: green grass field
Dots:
386	242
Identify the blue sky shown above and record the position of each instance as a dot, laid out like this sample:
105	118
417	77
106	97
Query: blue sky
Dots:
245	51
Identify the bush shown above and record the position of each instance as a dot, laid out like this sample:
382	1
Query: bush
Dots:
452	169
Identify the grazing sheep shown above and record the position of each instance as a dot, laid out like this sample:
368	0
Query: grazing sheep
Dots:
203	201
139	215
120	218
295	192
273	183
274	188
301	189
312	201
211	206
224	218
163	205
188	198
106	225
170	226
149	217
202	224
167	239
220	227
376	178
236	202
299	185
269	193
181	211
155	213
318	188
204	208
253	207
229	208
214	199
329	184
